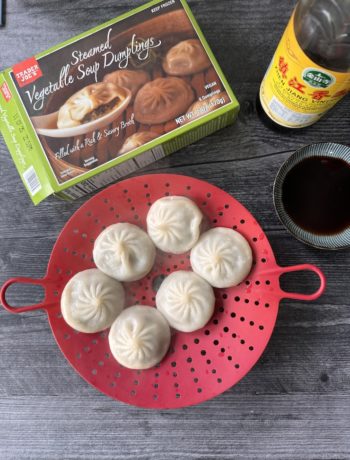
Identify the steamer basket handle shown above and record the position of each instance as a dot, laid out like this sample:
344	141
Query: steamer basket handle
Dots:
302	267
21	280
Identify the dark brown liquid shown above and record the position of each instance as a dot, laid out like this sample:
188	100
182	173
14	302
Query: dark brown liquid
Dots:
316	195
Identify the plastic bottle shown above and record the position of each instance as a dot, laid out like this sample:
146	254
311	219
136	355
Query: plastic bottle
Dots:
310	70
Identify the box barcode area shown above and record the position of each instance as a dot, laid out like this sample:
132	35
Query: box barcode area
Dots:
113	174
32	180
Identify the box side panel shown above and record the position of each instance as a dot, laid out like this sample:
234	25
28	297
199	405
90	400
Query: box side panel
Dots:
22	144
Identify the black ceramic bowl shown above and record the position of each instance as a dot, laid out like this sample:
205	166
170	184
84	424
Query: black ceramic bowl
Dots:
335	241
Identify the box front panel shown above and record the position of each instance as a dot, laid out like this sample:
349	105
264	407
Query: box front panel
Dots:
94	102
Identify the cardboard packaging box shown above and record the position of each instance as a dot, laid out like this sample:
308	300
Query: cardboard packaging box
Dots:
112	100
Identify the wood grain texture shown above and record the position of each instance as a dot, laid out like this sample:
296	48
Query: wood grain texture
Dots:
295	403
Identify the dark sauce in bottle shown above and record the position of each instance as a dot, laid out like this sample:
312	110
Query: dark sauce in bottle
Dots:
316	195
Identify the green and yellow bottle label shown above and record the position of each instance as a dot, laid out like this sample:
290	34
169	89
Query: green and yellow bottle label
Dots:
295	91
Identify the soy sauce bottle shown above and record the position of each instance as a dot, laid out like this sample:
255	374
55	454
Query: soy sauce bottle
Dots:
310	70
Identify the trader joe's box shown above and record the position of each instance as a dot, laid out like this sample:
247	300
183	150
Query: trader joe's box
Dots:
109	101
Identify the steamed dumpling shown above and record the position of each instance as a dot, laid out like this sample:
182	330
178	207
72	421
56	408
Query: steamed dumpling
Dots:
136	140
88	104
140	337
173	223
186	300
124	252
222	257
186	58
130	79
162	99
91	301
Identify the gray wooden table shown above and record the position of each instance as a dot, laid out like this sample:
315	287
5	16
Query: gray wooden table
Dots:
295	403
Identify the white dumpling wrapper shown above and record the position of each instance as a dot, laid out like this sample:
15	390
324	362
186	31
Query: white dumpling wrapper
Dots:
124	252
140	337
186	300
91	301
173	223
222	256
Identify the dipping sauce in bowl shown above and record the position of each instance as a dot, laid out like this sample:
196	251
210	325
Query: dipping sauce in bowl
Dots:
312	195
316	194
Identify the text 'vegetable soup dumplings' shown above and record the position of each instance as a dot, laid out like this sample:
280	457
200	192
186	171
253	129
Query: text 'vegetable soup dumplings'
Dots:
140	337
186	300
91	301
222	256
124	252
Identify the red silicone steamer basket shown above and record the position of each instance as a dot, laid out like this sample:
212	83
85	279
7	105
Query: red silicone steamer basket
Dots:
199	365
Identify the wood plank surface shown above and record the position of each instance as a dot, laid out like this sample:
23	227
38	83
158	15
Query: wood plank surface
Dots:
295	403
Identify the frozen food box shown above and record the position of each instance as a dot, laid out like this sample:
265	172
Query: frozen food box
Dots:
112	100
